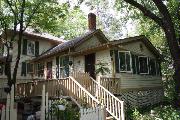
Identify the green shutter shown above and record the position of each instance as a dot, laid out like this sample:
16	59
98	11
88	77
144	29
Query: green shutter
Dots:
150	66
137	64
28	67
1	68
24	50
23	69
116	61
158	67
36	48
66	67
134	64
57	67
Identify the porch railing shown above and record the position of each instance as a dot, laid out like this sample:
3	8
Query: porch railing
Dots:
111	84
67	87
113	105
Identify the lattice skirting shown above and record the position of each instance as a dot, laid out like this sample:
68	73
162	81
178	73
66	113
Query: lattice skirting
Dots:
142	98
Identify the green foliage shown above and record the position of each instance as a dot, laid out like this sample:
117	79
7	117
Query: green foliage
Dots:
101	68
70	113
72	25
158	113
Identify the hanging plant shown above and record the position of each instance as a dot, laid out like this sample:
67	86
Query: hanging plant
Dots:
101	68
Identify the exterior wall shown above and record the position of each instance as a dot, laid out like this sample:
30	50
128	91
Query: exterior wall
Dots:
93	41
130	81
79	64
104	57
100	56
43	46
135	48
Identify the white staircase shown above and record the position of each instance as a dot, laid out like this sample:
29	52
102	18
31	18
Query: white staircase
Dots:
114	106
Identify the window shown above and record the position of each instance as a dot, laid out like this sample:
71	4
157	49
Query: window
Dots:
39	69
62	67
30	48
29	68
124	61
143	65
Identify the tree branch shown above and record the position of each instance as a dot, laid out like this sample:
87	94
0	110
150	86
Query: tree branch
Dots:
146	12
33	12
10	5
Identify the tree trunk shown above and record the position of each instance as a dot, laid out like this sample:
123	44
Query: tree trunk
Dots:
177	85
175	53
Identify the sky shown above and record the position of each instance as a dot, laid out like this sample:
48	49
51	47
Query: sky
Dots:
128	30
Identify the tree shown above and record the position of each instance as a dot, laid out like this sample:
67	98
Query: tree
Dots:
160	12
17	15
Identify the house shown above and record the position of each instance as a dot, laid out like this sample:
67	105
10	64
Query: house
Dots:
133	63
33	44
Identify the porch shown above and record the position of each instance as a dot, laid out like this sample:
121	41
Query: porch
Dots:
85	91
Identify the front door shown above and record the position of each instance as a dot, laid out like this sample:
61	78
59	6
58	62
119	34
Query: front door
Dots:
90	64
49	70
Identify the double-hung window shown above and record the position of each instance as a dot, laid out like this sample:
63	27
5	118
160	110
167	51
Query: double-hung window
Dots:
143	65
30	48
125	61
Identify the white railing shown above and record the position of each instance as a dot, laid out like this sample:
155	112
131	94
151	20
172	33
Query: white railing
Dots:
113	105
81	94
97	113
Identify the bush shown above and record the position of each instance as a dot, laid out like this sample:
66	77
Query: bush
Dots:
158	113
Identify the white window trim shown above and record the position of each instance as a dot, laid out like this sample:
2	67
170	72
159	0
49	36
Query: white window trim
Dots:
147	65
28	41
131	71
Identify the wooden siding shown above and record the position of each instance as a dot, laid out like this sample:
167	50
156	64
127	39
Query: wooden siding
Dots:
43	46
104	57
92	42
129	80
134	47
79	64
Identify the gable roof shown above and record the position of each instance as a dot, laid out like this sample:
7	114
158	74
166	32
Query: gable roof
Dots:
38	35
142	38
72	43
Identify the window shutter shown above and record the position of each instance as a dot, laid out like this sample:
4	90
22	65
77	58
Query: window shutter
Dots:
66	67
36	48
134	64
150	66
158	67
28	67
57	67
24	50
23	69
137	64
1	69
116	61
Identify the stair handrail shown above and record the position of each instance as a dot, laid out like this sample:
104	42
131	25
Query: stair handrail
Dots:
88	93
107	91
122	116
